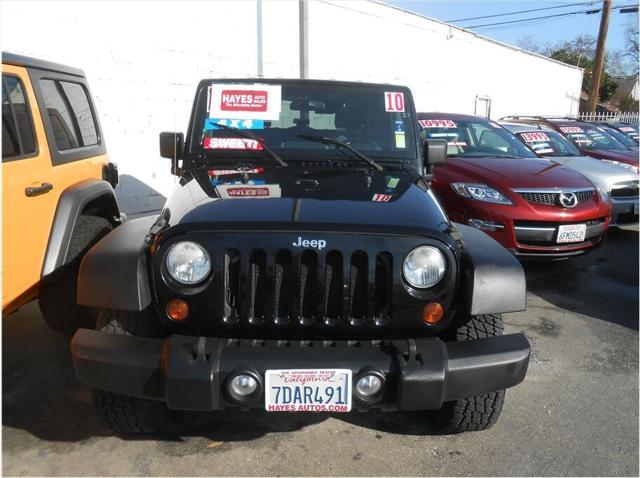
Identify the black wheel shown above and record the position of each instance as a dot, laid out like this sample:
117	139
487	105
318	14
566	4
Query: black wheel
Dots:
121	413
480	411
57	296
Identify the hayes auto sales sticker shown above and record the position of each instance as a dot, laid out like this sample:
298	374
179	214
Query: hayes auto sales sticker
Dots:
308	390
244	101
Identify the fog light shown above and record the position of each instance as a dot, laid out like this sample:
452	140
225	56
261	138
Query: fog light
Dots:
432	313
368	386
177	310
241	386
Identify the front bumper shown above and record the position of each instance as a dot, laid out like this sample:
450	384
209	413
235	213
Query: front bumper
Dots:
624	211
190	373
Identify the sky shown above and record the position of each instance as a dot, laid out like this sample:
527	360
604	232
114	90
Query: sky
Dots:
544	31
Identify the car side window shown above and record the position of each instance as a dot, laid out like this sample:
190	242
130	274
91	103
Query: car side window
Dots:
69	113
18	139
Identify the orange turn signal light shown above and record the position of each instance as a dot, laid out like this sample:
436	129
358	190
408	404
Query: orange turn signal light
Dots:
432	313
177	310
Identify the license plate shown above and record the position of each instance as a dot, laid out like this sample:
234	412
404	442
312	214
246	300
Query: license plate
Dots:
572	233
308	390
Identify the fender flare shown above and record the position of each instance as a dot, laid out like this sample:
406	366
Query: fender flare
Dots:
70	206
493	280
114	273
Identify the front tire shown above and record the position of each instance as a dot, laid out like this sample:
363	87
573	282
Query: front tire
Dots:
478	412
121	413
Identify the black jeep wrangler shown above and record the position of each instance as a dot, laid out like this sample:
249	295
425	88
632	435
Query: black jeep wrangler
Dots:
302	264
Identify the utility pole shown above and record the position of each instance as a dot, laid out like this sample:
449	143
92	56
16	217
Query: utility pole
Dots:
598	62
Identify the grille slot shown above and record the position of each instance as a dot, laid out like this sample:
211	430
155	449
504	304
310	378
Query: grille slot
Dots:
629	189
358	288
333	287
383	287
257	286
282	280
231	285
307	287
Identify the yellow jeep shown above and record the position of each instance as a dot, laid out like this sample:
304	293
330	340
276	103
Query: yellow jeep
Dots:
57	187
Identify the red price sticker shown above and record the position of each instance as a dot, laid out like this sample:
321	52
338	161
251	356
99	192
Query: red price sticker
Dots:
437	123
532	137
394	101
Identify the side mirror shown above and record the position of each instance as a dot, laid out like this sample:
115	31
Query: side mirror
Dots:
434	152
171	146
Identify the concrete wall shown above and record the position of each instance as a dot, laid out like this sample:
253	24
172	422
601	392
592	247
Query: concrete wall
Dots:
144	59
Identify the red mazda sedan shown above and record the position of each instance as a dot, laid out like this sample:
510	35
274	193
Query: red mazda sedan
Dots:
533	207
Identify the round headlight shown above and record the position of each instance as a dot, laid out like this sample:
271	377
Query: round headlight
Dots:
424	267
188	262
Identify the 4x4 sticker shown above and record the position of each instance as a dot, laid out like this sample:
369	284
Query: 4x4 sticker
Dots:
437	123
394	101
212	123
244	101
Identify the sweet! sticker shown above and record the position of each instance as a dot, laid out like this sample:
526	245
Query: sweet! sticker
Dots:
236	101
628	129
532	137
571	129
437	123
394	101
231	143
229	172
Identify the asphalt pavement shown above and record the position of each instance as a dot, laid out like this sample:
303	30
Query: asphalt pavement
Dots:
576	413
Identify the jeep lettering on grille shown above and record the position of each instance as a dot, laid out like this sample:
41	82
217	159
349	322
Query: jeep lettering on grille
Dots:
314	243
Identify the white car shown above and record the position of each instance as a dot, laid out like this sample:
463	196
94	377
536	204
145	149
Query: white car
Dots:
618	180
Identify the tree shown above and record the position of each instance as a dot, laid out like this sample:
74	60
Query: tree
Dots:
580	52
607	84
631	38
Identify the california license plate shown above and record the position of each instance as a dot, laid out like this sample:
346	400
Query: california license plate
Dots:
572	233
308	390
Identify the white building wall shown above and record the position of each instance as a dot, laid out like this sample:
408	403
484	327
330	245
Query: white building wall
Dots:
144	60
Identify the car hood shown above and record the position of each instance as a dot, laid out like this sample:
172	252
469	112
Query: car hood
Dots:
629	157
291	198
601	173
516	173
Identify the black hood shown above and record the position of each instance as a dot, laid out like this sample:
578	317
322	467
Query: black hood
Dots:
296	198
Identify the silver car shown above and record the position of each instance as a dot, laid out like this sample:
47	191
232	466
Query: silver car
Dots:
618	180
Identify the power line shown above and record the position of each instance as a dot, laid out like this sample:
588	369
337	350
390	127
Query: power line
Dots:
588	12
521	11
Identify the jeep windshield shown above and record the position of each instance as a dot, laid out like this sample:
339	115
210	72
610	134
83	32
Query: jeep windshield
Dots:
473	138
375	120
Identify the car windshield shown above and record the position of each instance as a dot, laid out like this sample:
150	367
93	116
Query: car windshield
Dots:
630	131
376	121
473	138
591	137
548	143
620	136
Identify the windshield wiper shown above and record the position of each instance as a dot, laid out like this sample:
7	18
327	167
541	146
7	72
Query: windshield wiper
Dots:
250	135
342	144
